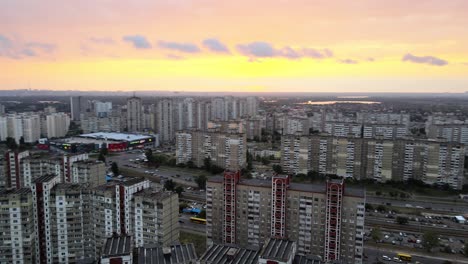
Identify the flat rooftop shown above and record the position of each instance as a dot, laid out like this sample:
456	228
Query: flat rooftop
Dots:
180	254
115	136
278	249
117	246
229	254
303	187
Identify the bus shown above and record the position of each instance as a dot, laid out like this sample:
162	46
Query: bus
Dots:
404	257
198	220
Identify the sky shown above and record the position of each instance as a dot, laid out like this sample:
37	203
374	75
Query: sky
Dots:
242	46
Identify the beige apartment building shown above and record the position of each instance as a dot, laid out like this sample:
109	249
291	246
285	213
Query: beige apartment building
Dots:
226	150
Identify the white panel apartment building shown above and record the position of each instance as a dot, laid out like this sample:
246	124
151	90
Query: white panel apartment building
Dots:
73	220
433	162
17	226
57	125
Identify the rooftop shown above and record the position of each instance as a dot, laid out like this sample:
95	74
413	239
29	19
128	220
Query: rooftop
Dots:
117	246
115	136
154	194
229	254
278	249
45	178
179	254
303	187
299	259
16	191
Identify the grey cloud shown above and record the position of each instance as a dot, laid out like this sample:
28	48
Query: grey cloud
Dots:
260	49
17	50
257	49
178	46
290	53
138	41
215	45
424	60
317	54
101	40
348	61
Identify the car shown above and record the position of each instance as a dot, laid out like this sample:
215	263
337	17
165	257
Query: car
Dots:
181	221
396	259
386	258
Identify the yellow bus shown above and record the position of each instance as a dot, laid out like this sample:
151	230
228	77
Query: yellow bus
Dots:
198	220
404	257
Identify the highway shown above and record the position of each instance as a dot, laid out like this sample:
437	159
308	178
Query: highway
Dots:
453	207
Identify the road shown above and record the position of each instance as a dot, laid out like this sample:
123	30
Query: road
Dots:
375	254
184	221
123	160
461	207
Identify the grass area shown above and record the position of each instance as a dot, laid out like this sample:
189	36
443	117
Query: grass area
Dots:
199	241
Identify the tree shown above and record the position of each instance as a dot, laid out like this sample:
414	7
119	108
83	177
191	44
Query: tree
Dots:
21	141
182	205
149	156
381	208
265	161
430	239
207	163
11	143
102	157
179	190
466	249
216	169
104	151
376	234
401	220
201	182
278	169
190	164
115	169
202	214
169	185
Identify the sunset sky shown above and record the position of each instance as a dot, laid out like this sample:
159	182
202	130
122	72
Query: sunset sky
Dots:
255	45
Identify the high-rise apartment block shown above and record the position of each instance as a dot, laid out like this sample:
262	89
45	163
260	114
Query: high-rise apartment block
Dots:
22	168
73	221
57	125
226	150
165	119
324	220
433	162
23	125
17	226
134	114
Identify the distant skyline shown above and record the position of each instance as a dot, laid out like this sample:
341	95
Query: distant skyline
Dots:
241	46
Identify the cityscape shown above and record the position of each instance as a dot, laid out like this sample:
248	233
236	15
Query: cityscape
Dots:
233	132
229	179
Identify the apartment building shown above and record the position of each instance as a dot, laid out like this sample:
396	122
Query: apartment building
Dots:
165	124
16	226
324	220
341	129
433	162
22	168
226	150
73	221
134	114
57	125
155	216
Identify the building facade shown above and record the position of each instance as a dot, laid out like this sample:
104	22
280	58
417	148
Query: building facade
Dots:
327	221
